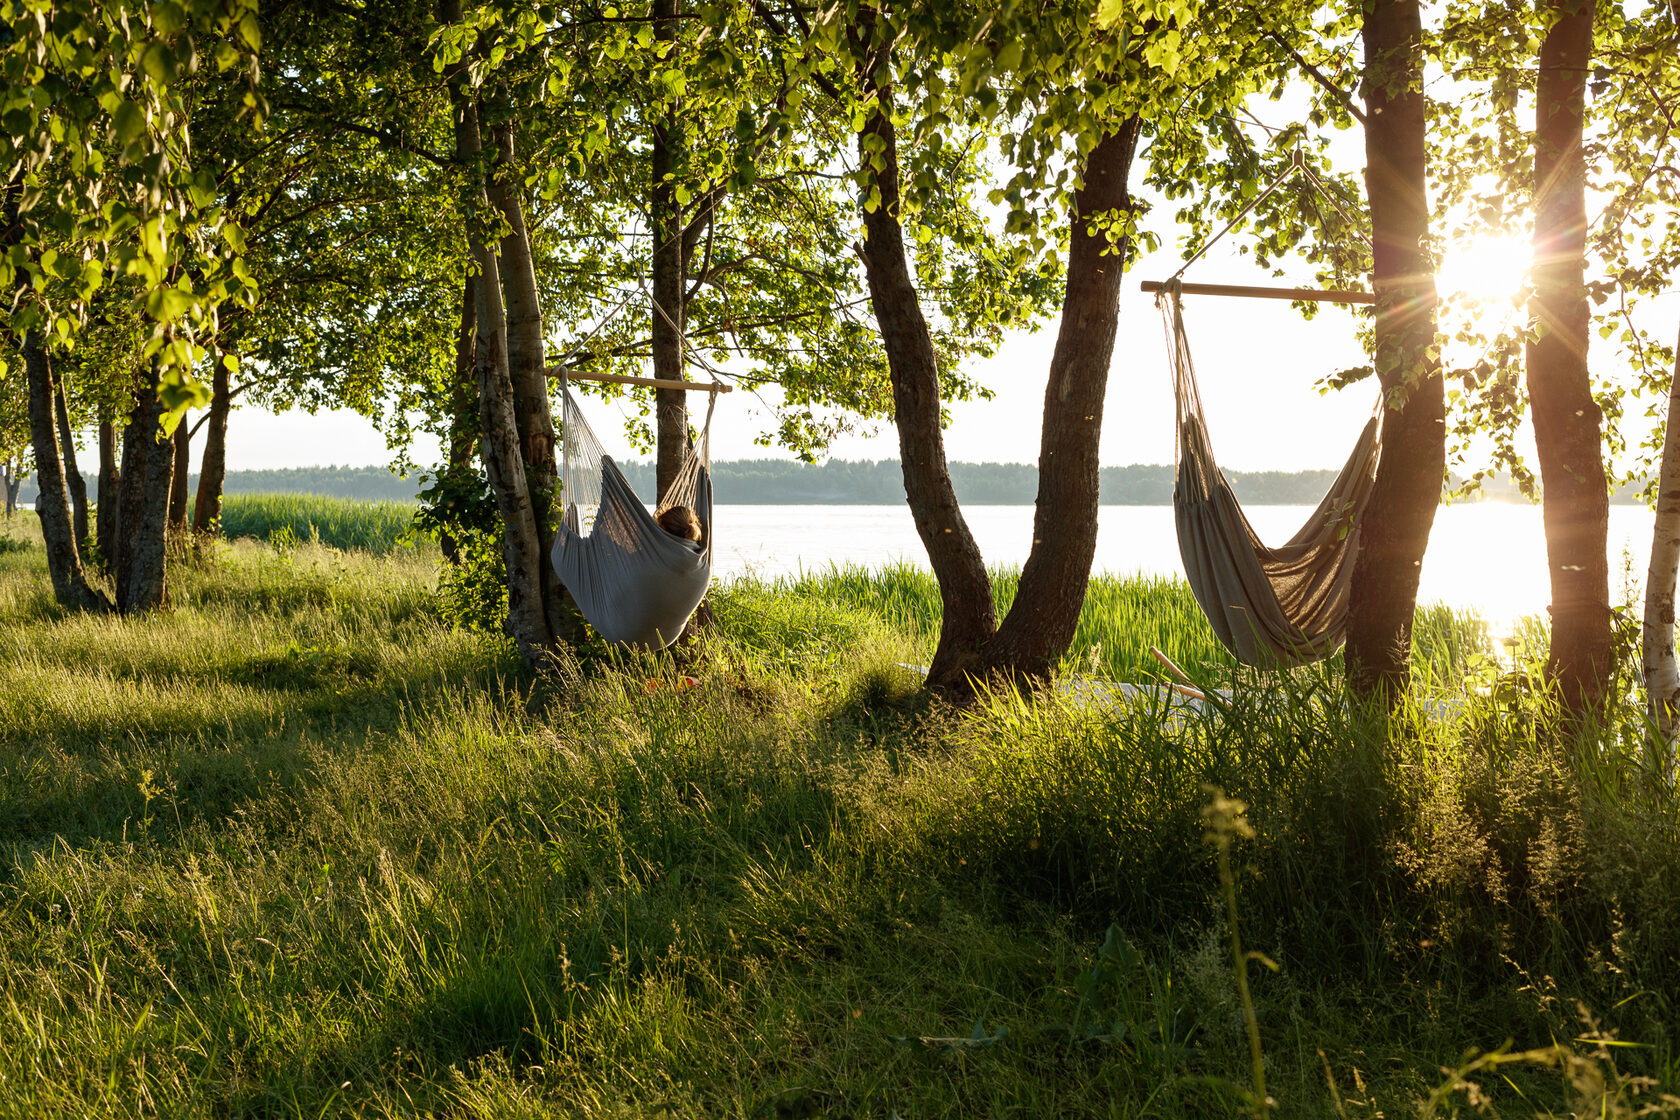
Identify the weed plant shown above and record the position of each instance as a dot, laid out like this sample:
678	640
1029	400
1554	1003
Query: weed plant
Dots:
300	847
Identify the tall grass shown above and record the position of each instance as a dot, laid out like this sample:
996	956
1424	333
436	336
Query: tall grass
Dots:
295	847
1123	616
342	523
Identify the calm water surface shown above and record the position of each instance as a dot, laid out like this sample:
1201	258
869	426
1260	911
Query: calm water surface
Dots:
1486	556
1489	557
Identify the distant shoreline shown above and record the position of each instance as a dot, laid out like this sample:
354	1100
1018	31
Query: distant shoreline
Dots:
846	482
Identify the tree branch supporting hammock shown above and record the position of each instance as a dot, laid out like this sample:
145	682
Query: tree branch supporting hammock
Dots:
634	582
1271	607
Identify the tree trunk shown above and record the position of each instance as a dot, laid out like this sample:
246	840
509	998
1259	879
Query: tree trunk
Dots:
1662	672
72	471
108	500
9	485
1041	622
148	466
504	459
180	477
968	618
1407	488
1567	420
528	370
52	505
463	404
212	466
668	312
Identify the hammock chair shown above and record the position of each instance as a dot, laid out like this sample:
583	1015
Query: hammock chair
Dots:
1271	607
634	582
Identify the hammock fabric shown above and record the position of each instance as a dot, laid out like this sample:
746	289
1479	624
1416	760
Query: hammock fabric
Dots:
634	582
1271	607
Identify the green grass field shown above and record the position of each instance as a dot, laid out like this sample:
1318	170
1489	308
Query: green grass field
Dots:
343	523
297	848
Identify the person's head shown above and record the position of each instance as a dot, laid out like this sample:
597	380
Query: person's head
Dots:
679	521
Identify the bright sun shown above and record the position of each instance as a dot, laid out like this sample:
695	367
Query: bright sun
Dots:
1487	269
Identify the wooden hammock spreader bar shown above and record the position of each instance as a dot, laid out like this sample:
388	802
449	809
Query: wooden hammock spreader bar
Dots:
1315	295
652	382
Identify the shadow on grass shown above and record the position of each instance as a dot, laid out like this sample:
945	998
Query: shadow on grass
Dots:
89	780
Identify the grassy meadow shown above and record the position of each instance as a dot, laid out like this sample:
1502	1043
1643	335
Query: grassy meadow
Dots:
342	523
296	847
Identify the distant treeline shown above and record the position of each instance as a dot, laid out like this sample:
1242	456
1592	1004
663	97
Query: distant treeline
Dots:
841	482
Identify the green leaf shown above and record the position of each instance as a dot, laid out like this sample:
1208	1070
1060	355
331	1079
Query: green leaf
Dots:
251	33
168	17
160	64
166	305
130	122
1110	13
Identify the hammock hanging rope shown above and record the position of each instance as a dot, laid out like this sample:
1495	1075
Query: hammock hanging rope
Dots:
634	582
1271	607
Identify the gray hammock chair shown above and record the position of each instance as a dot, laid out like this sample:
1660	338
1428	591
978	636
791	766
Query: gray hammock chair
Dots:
634	582
1271	607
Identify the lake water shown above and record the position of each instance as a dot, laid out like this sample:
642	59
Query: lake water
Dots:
1487	556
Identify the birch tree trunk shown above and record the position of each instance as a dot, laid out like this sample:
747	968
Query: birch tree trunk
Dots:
1662	673
52	505
463	401
1407	488
499	437
528	372
1567	421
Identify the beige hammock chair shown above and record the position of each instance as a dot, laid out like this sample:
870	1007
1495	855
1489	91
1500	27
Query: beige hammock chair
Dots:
1271	607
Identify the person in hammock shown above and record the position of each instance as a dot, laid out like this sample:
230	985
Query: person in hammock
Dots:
680	522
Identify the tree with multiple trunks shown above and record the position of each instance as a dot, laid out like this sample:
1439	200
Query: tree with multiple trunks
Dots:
102	196
1073	97
704	138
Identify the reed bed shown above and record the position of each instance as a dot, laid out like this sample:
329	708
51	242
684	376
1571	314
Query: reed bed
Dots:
342	523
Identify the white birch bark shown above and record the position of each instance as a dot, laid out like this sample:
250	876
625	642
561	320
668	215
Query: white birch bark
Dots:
1662	671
